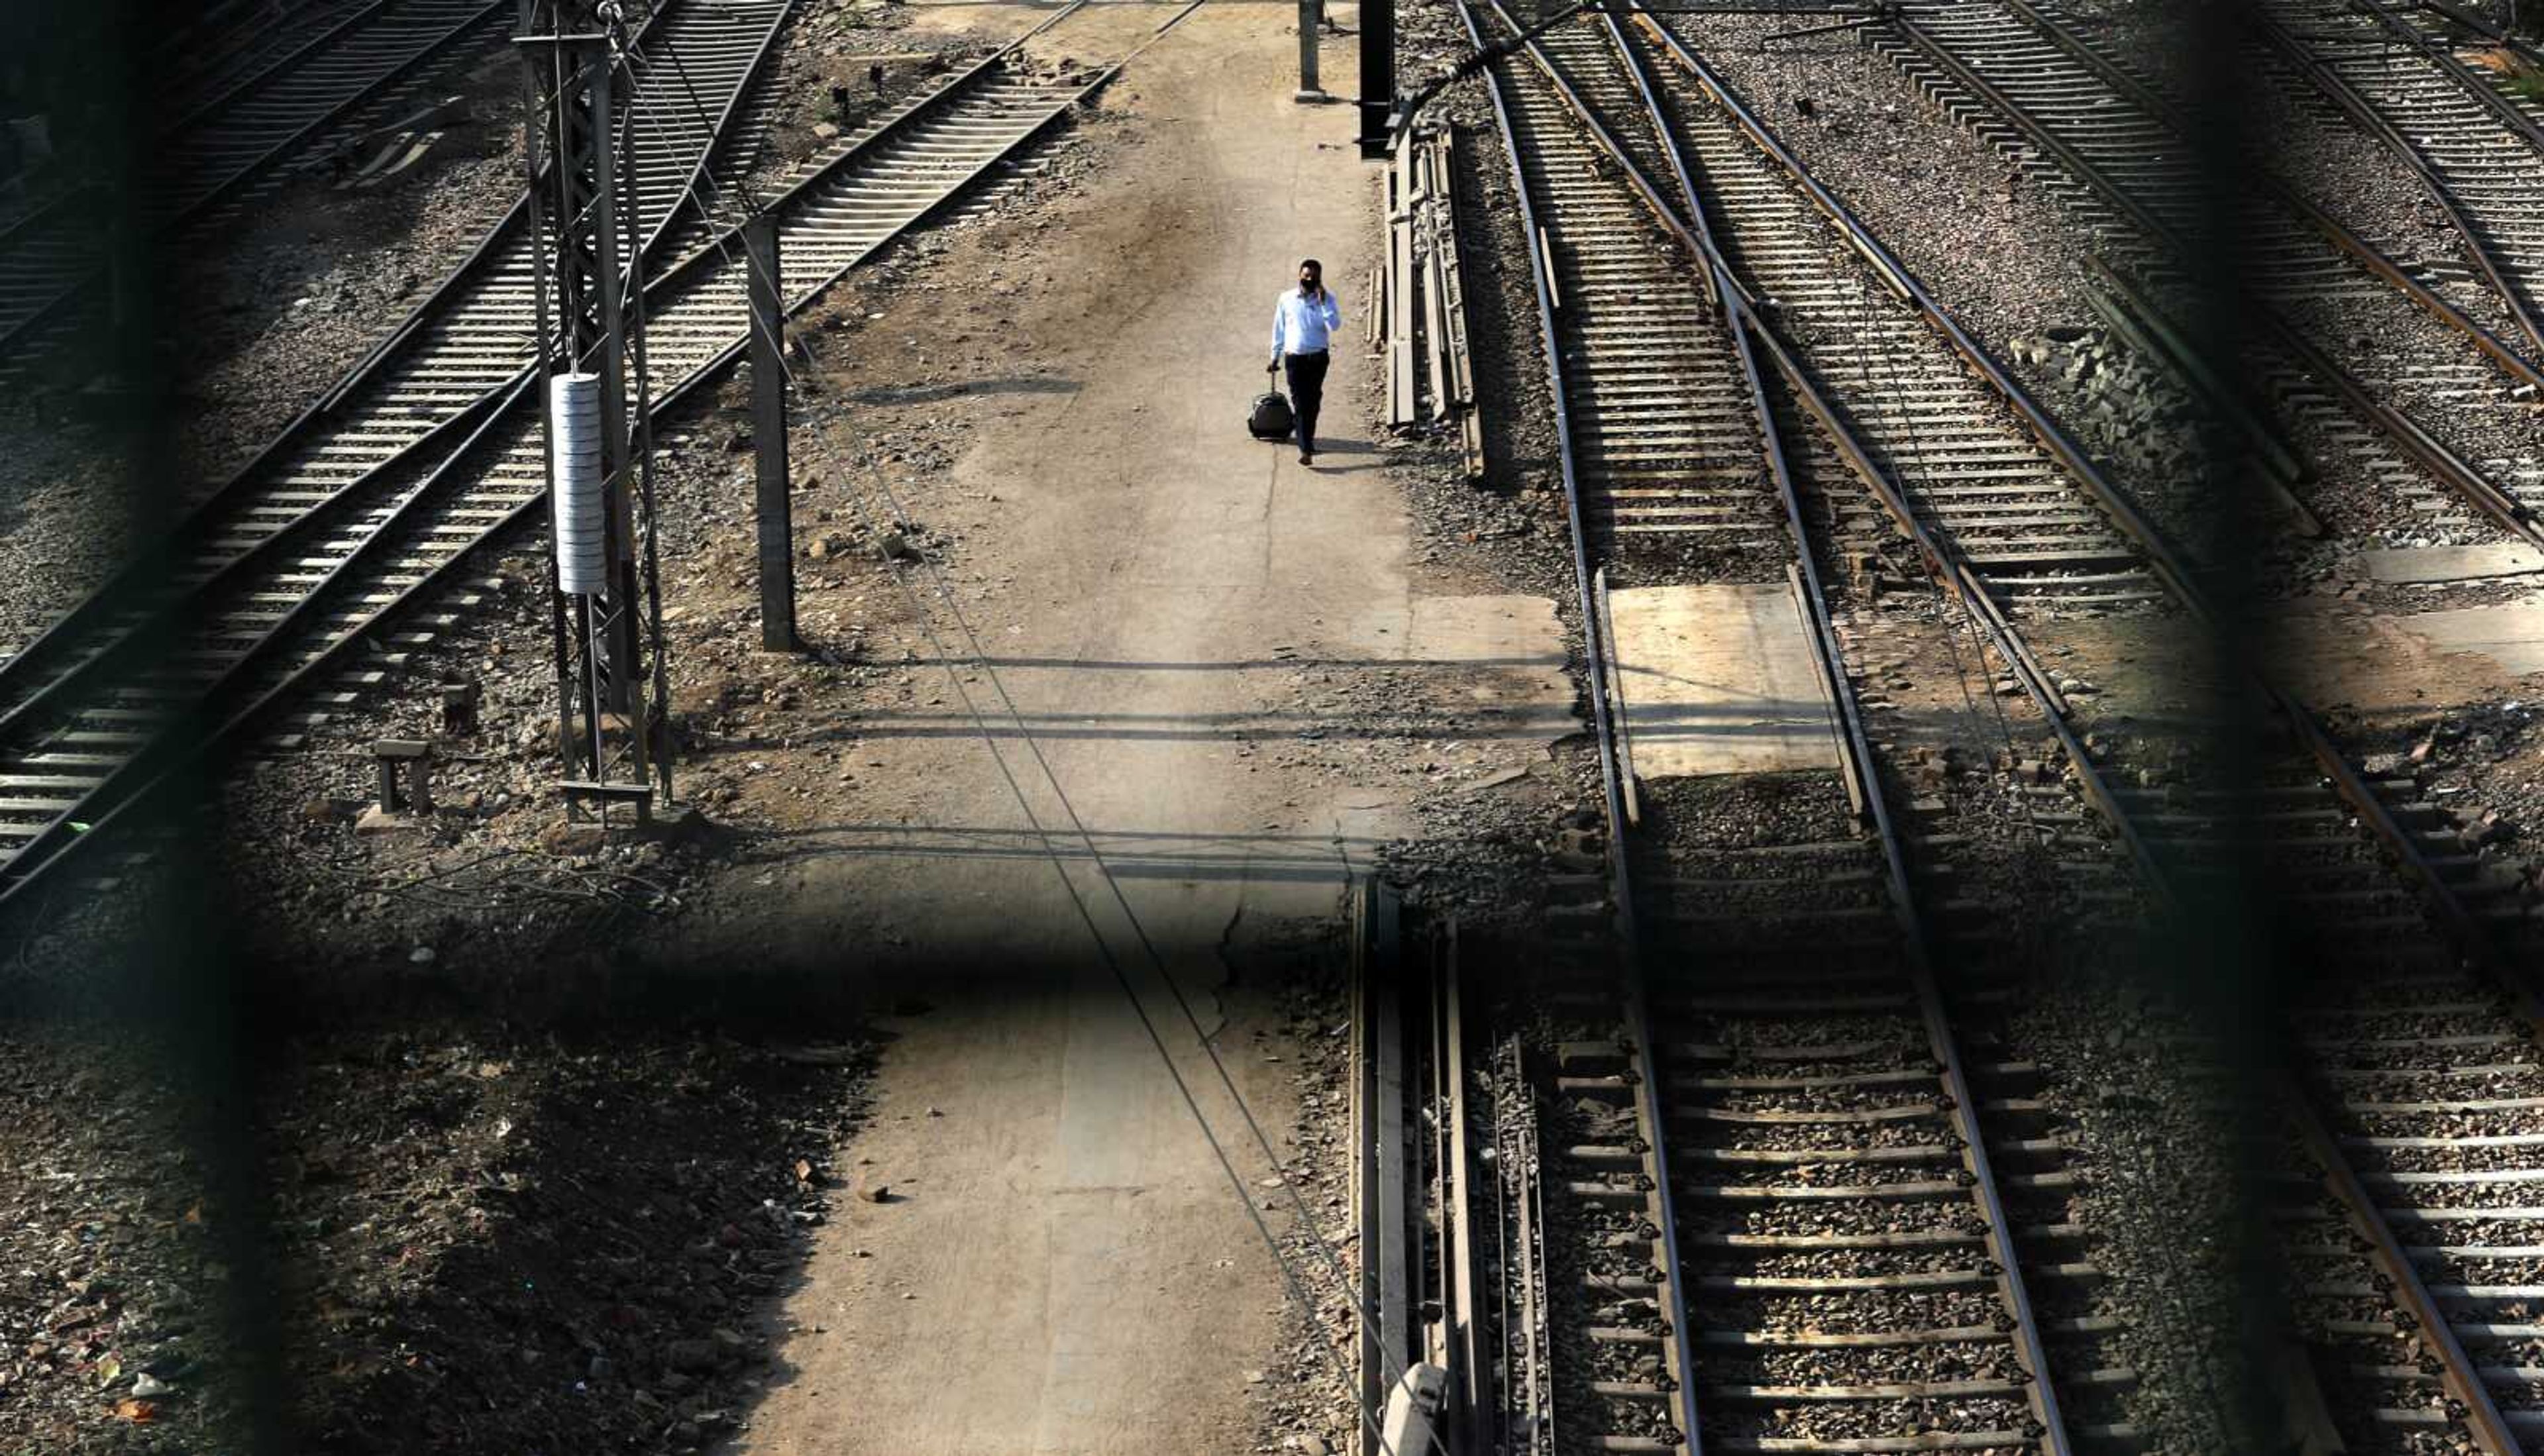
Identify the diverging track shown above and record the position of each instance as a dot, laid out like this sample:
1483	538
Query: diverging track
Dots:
1773	1207
1765	1137
464	351
2440	395
2479	156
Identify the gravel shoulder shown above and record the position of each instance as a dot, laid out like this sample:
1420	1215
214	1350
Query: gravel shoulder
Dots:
418	1236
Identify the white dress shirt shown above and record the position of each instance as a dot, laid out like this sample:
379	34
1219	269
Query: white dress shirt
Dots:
1301	325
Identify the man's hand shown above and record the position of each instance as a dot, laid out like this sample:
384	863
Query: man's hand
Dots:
1273	368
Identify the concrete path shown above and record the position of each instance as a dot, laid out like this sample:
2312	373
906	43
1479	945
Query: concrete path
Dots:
1063	1267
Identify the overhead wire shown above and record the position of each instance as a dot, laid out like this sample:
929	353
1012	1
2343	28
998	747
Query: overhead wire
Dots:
1122	978
1183	1003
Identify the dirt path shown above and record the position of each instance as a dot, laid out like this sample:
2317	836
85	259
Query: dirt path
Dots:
1063	1267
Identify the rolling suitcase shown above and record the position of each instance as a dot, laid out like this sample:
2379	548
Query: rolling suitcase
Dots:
1270	417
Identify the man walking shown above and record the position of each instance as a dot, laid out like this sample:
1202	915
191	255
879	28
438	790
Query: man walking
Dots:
1302	327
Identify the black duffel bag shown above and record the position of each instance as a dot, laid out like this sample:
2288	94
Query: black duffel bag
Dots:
1270	417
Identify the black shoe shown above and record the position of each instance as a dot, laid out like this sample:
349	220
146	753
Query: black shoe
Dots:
1306	457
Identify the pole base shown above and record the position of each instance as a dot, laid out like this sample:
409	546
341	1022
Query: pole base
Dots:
1310	96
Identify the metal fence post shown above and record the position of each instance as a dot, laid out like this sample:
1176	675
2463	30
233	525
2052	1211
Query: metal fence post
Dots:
1310	13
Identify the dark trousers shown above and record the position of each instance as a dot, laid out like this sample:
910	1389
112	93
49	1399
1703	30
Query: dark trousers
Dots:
1307	375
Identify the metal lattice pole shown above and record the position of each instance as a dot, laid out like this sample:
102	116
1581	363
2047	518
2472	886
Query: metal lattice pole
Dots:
569	56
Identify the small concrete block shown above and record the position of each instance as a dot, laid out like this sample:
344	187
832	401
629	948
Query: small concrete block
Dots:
2509	634
1719	680
378	821
573	837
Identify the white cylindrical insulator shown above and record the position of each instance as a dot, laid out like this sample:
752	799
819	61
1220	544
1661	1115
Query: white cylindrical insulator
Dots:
574	420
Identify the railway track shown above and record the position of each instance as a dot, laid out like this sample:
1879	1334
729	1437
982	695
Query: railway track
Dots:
2413	1257
2340	858
227	45
210	160
2479	156
2393	1007
460	354
2427	391
1665	450
230	649
1846	1272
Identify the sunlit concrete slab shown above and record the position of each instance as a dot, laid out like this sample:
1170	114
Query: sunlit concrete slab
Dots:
2453	563
2509	634
1719	680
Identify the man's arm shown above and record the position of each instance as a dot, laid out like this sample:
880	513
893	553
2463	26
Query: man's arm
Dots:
1332	311
1280	319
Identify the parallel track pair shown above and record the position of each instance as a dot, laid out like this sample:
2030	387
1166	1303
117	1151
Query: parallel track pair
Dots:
2434	404
374	502
221	143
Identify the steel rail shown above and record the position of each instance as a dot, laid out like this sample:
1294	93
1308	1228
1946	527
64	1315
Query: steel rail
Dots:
140	781
2164	560
127	592
2029	1349
2333	230
417	317
2461	1380
2328	759
1694	229
2468	1389
1654	1155
676	214
501	235
2328	79
432	49
253	166
1585	600
334	26
113	596
2487	95
182	51
2458	1372
61	197
187	38
2515	44
2432	454
1950	565
1948	562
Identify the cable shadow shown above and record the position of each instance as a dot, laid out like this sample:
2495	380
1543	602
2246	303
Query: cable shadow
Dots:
1157	855
890	394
